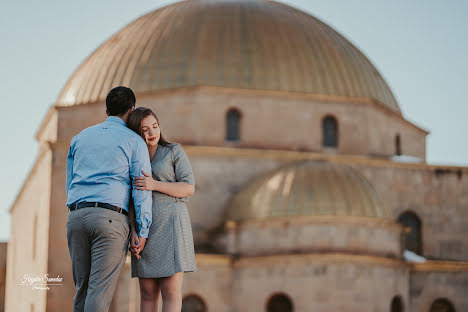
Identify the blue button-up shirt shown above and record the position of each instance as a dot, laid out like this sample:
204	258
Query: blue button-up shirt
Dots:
102	162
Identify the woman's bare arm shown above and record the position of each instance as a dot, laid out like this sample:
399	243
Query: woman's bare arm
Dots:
175	189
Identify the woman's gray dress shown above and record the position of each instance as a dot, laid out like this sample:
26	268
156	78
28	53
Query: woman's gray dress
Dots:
169	247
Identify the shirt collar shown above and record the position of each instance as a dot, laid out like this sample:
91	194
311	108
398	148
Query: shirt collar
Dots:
116	120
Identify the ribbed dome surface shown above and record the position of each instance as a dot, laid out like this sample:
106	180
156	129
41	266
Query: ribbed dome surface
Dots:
311	188
262	45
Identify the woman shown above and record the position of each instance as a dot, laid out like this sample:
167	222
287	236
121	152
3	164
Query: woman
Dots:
168	251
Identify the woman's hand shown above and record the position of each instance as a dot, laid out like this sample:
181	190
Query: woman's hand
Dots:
145	183
137	243
135	247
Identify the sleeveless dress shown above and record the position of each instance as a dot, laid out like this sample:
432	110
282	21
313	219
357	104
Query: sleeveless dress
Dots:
169	248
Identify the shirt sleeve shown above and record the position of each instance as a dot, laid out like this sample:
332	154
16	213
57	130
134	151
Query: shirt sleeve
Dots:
142	199
70	165
182	167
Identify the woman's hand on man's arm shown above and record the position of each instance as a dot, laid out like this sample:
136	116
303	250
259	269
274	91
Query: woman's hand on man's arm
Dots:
175	189
146	182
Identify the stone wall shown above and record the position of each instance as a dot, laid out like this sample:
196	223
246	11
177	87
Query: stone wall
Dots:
59	261
217	179
437	195
282	121
320	234
28	247
212	282
427	286
285	121
326	283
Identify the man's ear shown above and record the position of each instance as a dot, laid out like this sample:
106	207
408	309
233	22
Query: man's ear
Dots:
107	113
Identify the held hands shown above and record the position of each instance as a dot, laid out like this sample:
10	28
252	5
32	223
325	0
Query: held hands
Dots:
137	244
145	183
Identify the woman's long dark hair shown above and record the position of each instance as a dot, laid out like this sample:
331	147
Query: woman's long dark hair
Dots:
134	122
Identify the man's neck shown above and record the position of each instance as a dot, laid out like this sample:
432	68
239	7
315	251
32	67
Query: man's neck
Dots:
124	117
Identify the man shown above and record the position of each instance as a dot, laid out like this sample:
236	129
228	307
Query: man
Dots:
102	162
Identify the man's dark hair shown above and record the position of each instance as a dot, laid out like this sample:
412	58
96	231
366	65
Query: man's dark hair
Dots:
119	101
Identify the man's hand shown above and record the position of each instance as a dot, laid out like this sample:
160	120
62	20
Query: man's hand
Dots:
137	244
141	245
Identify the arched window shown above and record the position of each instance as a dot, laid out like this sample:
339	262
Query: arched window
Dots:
329	132
233	117
279	303
193	303
413	237
397	304
397	145
442	305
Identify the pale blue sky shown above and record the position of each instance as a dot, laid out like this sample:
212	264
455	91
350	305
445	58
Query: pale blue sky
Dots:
419	46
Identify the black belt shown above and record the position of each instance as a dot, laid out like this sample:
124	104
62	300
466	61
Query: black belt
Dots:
97	205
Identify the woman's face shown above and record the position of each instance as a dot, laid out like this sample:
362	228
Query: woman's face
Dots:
150	130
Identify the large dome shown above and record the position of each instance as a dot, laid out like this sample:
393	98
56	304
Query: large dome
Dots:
261	45
310	188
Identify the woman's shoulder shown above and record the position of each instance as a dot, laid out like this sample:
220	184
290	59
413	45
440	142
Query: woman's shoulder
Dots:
176	150
170	148
173	146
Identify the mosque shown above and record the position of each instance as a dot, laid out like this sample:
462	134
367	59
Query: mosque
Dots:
313	191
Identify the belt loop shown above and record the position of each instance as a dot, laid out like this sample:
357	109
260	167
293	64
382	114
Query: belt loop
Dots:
95	205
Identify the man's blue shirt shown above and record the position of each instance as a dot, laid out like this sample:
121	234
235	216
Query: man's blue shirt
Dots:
102	162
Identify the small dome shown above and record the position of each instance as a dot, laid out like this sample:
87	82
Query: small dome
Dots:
311	188
255	44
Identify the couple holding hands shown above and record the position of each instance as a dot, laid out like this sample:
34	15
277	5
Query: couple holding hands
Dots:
127	184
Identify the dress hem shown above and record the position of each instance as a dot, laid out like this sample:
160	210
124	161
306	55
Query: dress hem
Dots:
161	276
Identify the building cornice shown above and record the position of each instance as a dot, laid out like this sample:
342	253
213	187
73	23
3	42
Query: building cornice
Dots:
213	259
335	258
388	224
328	258
440	266
285	155
204	259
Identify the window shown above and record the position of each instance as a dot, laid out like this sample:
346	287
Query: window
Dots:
413	237
279	303
442	305
397	145
330	132
396	305
193	303
233	117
